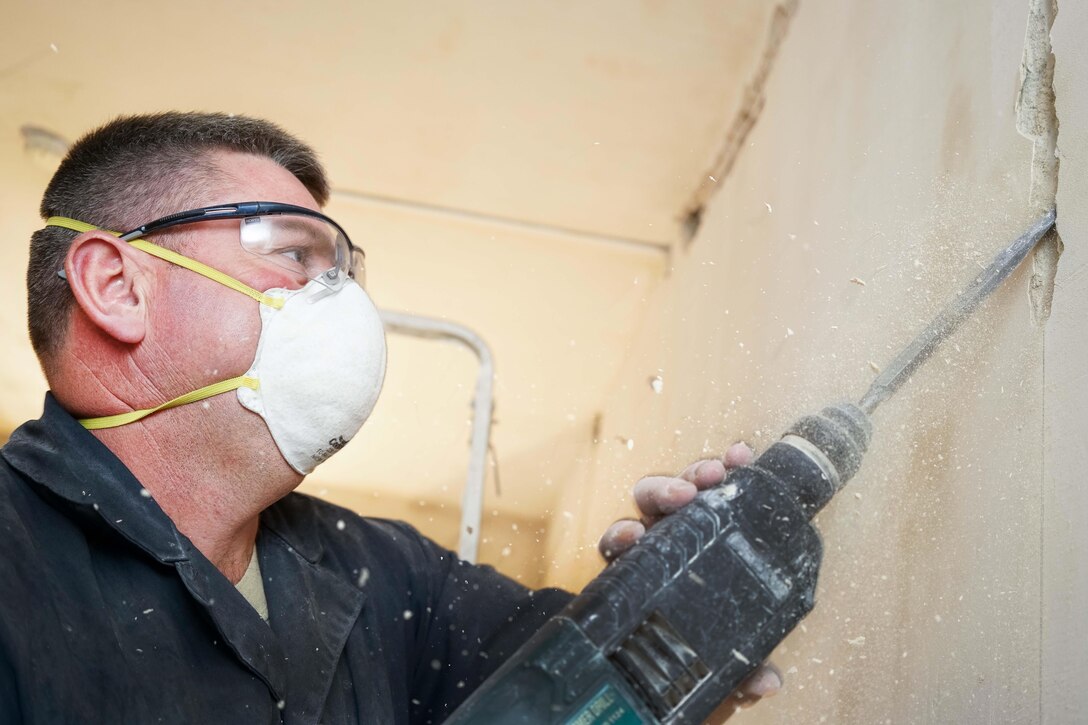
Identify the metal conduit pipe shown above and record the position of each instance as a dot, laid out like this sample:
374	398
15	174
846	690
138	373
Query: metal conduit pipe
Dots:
472	499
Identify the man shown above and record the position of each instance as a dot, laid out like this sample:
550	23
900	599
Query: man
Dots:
204	352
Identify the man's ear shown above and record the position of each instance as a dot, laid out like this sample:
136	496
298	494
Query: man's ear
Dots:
109	285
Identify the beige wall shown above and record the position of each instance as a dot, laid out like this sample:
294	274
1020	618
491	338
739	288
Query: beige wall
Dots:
886	166
21	384
1065	497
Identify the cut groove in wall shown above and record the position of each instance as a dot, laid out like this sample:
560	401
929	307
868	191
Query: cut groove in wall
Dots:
1037	120
1044	268
745	119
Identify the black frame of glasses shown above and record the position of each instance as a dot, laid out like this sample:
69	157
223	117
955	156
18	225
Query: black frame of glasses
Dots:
240	210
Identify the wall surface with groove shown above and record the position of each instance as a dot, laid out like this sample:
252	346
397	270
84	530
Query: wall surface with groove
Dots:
888	163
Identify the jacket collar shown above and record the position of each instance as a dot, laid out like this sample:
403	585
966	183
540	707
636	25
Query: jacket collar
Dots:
297	527
311	619
56	453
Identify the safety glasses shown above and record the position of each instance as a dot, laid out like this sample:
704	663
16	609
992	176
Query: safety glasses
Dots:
298	239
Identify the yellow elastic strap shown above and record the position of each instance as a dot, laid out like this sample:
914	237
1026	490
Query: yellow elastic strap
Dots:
112	421
213	274
174	258
75	225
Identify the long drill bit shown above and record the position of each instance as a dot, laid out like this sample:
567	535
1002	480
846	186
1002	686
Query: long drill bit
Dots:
903	366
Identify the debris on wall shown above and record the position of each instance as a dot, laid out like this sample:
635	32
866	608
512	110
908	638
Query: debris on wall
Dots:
1037	120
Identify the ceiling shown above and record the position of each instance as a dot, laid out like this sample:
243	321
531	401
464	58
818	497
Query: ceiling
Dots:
521	168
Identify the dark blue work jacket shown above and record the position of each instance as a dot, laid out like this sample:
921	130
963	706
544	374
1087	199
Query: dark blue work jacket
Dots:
109	615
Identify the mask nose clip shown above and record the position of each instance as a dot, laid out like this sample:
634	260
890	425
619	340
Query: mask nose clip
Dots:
328	282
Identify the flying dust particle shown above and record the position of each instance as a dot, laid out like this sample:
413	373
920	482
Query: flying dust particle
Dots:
858	281
789	332
53	47
874	367
145	493
340	525
657	384
768	205
741	657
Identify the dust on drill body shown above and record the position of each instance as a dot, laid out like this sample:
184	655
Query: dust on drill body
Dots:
666	632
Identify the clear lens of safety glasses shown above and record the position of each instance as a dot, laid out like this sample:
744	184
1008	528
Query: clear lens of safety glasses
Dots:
304	245
301	240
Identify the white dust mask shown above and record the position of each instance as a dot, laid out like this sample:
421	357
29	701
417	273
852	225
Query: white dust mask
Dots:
320	364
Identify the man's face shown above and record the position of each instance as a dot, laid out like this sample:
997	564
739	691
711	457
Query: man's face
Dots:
202	332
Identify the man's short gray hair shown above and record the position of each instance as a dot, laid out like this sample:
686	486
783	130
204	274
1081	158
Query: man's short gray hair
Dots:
131	171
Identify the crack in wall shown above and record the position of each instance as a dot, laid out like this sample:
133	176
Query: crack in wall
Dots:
1037	120
745	119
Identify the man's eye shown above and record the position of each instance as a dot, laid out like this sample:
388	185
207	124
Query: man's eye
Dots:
295	255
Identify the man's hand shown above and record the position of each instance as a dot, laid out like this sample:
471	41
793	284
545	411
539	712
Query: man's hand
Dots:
659	496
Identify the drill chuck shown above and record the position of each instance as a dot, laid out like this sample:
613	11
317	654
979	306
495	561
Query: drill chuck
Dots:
836	440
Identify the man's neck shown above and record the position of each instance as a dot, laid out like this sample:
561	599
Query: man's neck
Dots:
212	485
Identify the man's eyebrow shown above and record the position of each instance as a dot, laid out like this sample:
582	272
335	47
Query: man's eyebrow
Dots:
309	228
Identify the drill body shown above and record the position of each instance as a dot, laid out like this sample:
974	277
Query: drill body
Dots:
667	631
